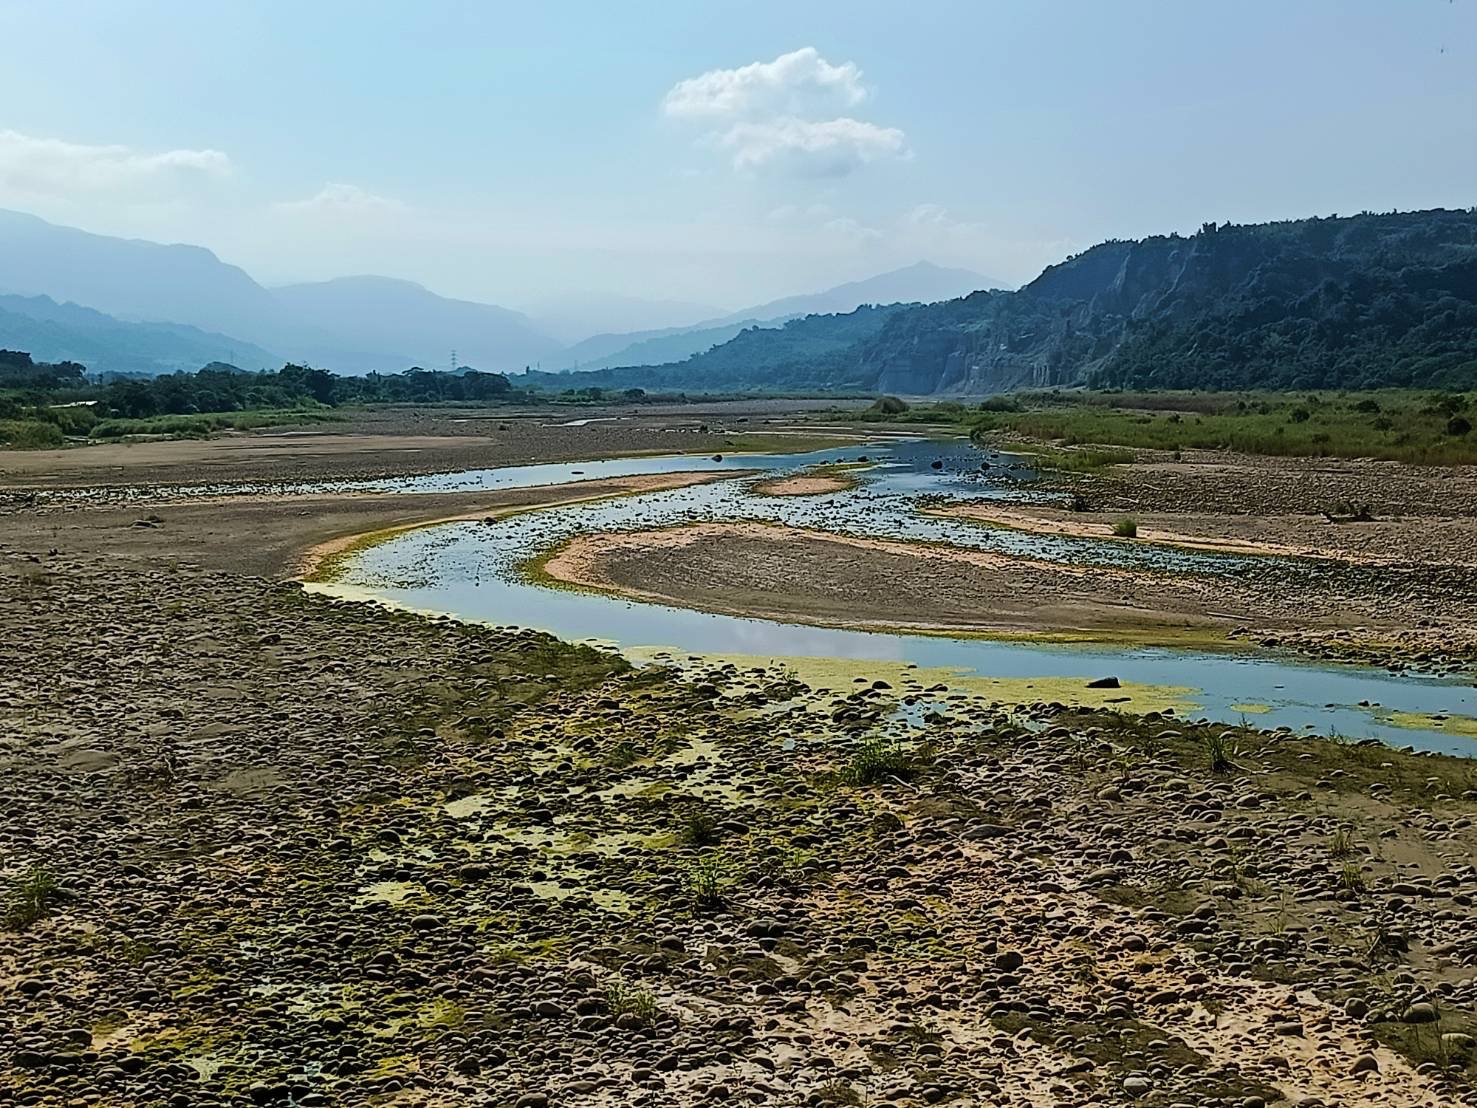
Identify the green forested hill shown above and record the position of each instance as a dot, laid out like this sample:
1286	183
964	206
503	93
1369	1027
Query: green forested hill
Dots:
815	351
1341	302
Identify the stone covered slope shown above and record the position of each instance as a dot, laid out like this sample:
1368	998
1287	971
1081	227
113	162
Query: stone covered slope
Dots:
312	853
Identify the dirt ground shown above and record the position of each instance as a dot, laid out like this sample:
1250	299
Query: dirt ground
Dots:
400	442
786	573
274	535
264	848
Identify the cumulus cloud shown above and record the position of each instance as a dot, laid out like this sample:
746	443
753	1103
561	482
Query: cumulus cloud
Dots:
46	167
341	200
826	148
800	83
782	115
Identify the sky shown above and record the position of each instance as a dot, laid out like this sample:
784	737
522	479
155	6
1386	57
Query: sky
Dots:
714	152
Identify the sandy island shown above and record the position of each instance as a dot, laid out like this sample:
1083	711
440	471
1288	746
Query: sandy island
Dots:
1377	542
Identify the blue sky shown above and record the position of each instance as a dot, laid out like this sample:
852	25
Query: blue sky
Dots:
518	152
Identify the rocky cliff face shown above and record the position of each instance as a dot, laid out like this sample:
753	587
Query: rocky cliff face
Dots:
1222	306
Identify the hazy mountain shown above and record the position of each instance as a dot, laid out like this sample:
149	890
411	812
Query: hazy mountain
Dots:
353	324
375	318
809	352
921	283
136	280
54	332
574	317
1356	302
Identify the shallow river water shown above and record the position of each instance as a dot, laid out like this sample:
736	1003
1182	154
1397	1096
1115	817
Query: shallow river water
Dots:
471	570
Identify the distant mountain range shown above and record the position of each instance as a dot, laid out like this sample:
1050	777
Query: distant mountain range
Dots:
68	333
1355	302
130	306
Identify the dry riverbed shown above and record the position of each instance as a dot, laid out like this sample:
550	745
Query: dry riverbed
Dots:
767	571
304	852
265	848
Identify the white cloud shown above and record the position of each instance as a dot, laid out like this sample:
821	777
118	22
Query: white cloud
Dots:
43	167
335	199
801	83
826	148
783	115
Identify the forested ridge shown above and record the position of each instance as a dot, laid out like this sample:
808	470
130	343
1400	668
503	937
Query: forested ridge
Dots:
1366	301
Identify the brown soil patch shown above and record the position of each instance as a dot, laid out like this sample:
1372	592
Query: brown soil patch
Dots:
803	485
774	572
1381	542
268	536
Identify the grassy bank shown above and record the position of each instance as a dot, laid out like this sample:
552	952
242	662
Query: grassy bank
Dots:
42	428
1421	428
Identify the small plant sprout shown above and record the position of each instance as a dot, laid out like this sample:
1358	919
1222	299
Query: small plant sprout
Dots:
1351	878
625	999
1220	750
1341	843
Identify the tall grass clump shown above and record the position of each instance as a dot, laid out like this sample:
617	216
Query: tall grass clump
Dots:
30	899
705	882
879	759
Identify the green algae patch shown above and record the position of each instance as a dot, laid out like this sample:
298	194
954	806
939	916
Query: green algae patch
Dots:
1466	726
842	676
1252	709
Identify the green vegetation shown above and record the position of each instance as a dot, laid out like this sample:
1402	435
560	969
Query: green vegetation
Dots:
812	352
44	405
625	999
200	426
1367	301
1089	429
1219	751
1397	426
888	405
701	828
30	899
1341	843
1351	878
1126	528
880	759
706	881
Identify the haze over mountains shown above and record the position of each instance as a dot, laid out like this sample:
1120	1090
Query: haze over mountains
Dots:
130	306
920	283
1367	301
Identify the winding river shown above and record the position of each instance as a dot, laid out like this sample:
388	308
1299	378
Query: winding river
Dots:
472	570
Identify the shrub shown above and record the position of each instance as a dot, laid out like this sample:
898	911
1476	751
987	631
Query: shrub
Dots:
1341	843
878	758
889	405
1457	426
700	828
1126	528
30	434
